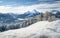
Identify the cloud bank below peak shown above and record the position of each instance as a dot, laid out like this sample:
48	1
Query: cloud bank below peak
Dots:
22	9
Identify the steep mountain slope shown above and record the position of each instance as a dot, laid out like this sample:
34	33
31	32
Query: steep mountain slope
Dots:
29	14
42	29
7	18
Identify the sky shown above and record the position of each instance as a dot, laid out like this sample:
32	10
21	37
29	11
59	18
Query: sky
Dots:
21	6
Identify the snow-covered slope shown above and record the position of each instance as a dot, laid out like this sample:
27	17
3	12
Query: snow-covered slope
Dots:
42	29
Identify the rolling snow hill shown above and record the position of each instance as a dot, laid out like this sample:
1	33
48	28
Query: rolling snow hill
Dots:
42	29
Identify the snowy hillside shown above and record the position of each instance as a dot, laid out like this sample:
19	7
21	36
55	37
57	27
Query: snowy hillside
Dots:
42	29
11	21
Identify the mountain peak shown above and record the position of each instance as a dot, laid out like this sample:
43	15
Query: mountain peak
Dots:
54	11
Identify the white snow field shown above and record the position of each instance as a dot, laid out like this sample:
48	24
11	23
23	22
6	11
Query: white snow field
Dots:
41	29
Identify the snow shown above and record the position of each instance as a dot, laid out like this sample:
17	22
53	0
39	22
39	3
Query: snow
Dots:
41	29
20	19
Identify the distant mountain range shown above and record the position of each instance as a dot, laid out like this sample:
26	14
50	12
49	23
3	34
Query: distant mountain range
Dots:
56	13
13	18
14	21
29	14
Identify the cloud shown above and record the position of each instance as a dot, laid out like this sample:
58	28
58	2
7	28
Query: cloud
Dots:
48	0
25	2
21	6
18	2
22	9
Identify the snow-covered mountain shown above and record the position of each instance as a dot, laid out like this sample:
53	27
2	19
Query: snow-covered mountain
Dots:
29	14
22	20
56	13
38	26
11	21
41	29
10	17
